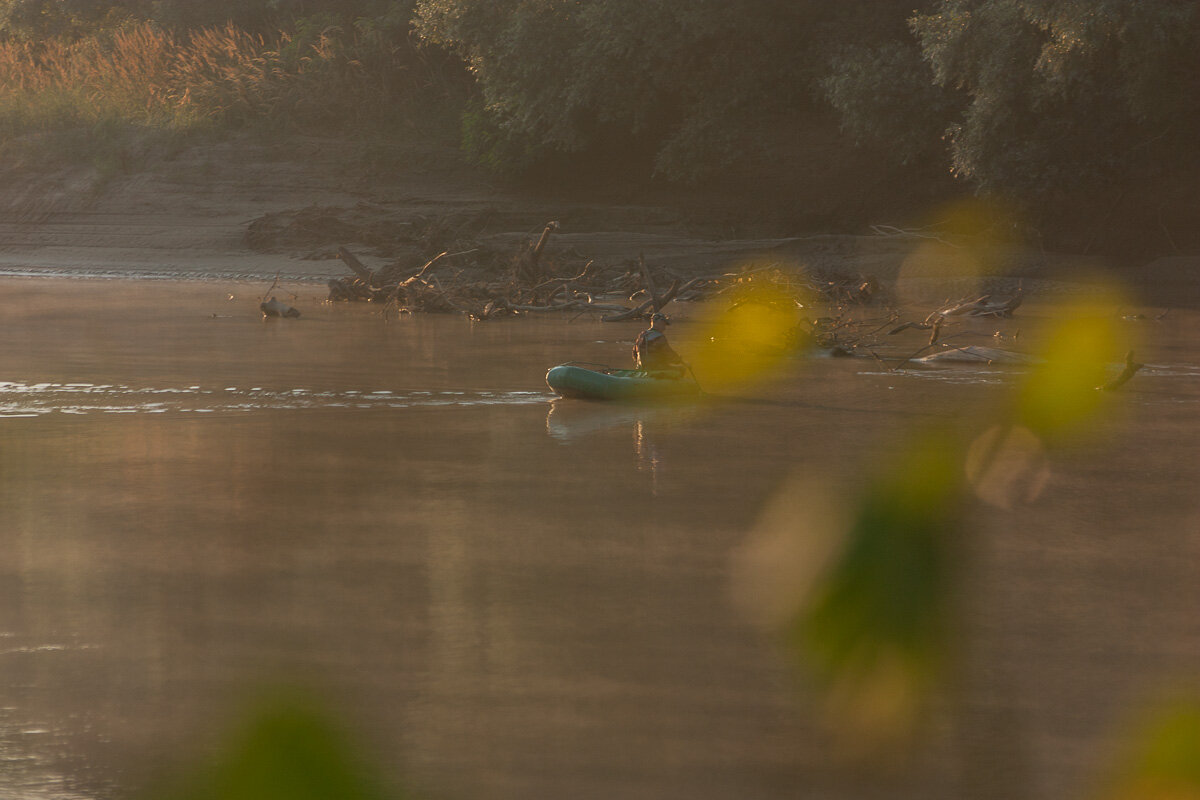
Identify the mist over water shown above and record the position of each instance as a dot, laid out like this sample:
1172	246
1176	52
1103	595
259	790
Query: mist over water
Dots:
506	595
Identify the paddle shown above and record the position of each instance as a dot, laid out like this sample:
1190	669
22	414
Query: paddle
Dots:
694	378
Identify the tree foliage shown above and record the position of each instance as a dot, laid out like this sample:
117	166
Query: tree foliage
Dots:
1034	100
1066	95
688	81
1055	97
886	94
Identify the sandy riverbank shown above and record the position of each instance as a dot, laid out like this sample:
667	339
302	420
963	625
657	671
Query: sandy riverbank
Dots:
190	217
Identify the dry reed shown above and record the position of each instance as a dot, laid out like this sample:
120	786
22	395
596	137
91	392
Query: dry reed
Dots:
147	77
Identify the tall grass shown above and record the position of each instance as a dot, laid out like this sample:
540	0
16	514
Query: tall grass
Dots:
125	84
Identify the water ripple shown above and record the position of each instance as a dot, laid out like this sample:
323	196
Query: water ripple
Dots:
19	400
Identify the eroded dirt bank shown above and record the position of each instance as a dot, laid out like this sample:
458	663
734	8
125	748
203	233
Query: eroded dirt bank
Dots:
247	211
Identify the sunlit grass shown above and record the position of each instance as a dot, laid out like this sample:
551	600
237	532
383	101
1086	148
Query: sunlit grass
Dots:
151	83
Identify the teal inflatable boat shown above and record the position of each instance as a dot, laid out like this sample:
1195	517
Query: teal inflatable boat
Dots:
601	383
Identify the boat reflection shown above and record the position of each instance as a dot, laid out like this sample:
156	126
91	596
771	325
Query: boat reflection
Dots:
647	452
571	421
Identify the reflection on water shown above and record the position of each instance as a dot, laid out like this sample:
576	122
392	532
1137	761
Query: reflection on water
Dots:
511	597
569	421
649	459
32	750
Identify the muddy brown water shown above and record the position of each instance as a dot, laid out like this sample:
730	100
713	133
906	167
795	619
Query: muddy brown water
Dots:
505	596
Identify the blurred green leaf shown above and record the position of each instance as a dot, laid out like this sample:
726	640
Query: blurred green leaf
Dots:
751	339
288	750
1165	760
1060	396
876	628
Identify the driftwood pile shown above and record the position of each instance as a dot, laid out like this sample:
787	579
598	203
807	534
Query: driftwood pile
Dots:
472	279
982	307
477	283
850	332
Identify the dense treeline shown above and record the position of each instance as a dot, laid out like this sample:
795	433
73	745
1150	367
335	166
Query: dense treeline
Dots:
687	80
1039	96
1033	99
1038	101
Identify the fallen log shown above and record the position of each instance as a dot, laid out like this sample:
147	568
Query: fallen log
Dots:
937	330
973	354
350	260
640	309
984	307
530	268
961	309
404	284
921	326
551	226
628	313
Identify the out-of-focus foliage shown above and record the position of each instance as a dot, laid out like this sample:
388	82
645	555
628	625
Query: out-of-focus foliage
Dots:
862	596
863	593
750	340
876	627
1007	466
1163	762
968	241
688	83
1083	350
287	750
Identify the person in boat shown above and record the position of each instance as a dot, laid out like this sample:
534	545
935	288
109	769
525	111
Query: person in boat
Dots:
652	351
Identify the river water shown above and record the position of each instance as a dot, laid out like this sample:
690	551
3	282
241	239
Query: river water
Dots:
505	596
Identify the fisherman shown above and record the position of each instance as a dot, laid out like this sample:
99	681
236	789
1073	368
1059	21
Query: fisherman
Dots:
651	351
